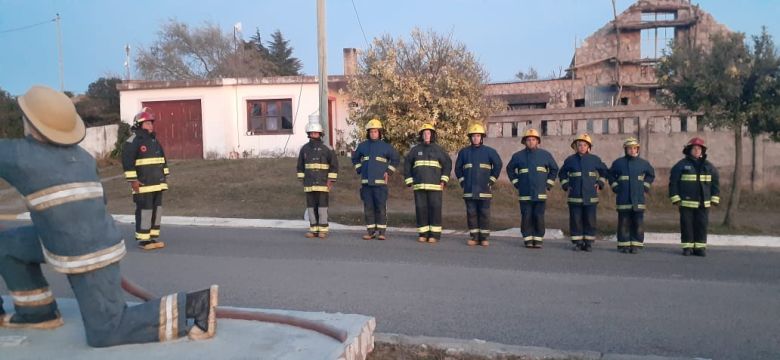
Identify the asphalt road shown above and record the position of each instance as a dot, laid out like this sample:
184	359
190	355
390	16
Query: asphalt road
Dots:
724	306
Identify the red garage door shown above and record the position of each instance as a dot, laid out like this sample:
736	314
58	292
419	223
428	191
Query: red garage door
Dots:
179	127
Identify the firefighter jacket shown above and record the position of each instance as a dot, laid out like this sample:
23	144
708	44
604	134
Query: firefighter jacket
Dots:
477	168
579	176
630	178
317	164
694	183
373	159
532	172
426	166
143	159
62	190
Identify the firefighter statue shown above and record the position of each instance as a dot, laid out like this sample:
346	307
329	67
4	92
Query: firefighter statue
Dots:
477	169
582	176
694	186
318	168
73	232
532	172
146	169
631	177
375	160
427	170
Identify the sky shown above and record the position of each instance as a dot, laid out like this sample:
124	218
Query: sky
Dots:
506	35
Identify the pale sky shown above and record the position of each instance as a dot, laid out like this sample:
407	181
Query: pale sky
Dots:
505	35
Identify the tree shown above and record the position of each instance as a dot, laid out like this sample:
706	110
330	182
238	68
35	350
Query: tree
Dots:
184	53
10	116
280	54
726	83
529	74
257	41
425	79
100	104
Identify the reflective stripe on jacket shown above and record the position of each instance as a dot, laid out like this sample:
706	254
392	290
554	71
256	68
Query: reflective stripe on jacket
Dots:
532	173
477	167
579	176
373	159
630	177
426	166
694	183
317	164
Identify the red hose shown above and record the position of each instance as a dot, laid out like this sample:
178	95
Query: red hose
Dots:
223	313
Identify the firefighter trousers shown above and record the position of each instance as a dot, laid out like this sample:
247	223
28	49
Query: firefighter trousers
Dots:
582	222
148	213
693	227
631	229
108	321
317	208
532	221
374	208
478	218
427	207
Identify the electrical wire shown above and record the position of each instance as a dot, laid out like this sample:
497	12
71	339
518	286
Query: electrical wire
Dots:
365	38
27	26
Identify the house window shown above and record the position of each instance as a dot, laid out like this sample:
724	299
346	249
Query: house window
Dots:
656	42
590	126
684	123
605	126
269	116
579	102
545	130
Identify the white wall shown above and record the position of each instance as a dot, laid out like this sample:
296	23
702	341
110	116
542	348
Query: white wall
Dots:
100	140
225	118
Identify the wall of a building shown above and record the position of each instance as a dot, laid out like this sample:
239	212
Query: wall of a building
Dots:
100	140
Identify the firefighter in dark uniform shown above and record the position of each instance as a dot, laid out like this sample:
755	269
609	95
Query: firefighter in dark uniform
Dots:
694	186
532	172
631	177
477	169
375	160
583	175
318	169
427	170
146	169
73	232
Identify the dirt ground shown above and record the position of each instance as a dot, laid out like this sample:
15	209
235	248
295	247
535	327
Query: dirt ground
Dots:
268	188
410	352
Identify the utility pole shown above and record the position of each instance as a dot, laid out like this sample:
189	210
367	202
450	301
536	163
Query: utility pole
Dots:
127	62
59	47
323	70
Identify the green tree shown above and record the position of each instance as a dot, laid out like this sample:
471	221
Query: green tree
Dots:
10	116
280	54
100	105
530	74
426	79
732	84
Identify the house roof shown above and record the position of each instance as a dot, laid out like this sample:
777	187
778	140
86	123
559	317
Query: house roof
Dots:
271	80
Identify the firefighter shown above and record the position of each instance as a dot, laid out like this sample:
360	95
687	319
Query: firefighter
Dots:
73	232
532	172
631	177
375	160
318	169
146	169
477	169
582	176
427	170
694	186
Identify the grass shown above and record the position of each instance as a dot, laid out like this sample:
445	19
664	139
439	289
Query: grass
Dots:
267	188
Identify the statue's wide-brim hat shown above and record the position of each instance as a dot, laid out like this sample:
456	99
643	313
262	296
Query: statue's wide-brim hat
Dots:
53	114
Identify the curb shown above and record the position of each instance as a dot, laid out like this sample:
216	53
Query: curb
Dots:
552	234
493	350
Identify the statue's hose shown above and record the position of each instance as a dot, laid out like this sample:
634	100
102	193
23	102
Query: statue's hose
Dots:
223	313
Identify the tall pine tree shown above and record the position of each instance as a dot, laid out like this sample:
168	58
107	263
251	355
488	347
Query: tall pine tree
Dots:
280	53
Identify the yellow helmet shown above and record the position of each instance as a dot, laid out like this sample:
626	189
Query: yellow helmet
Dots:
476	129
531	133
632	141
582	137
374	124
426	126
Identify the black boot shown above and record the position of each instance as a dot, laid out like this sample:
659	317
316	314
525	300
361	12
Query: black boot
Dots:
687	252
634	250
587	245
622	249
576	245
700	252
201	307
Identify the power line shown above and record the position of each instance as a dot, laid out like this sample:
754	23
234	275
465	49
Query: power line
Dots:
27	26
360	24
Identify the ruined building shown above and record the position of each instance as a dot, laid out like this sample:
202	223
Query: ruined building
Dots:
609	92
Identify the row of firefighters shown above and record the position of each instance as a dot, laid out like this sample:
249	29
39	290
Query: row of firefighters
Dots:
693	186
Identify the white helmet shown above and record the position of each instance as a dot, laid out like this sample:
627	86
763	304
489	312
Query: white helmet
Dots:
313	127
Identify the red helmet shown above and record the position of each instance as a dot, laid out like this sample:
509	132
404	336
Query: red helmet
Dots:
146	114
697	141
